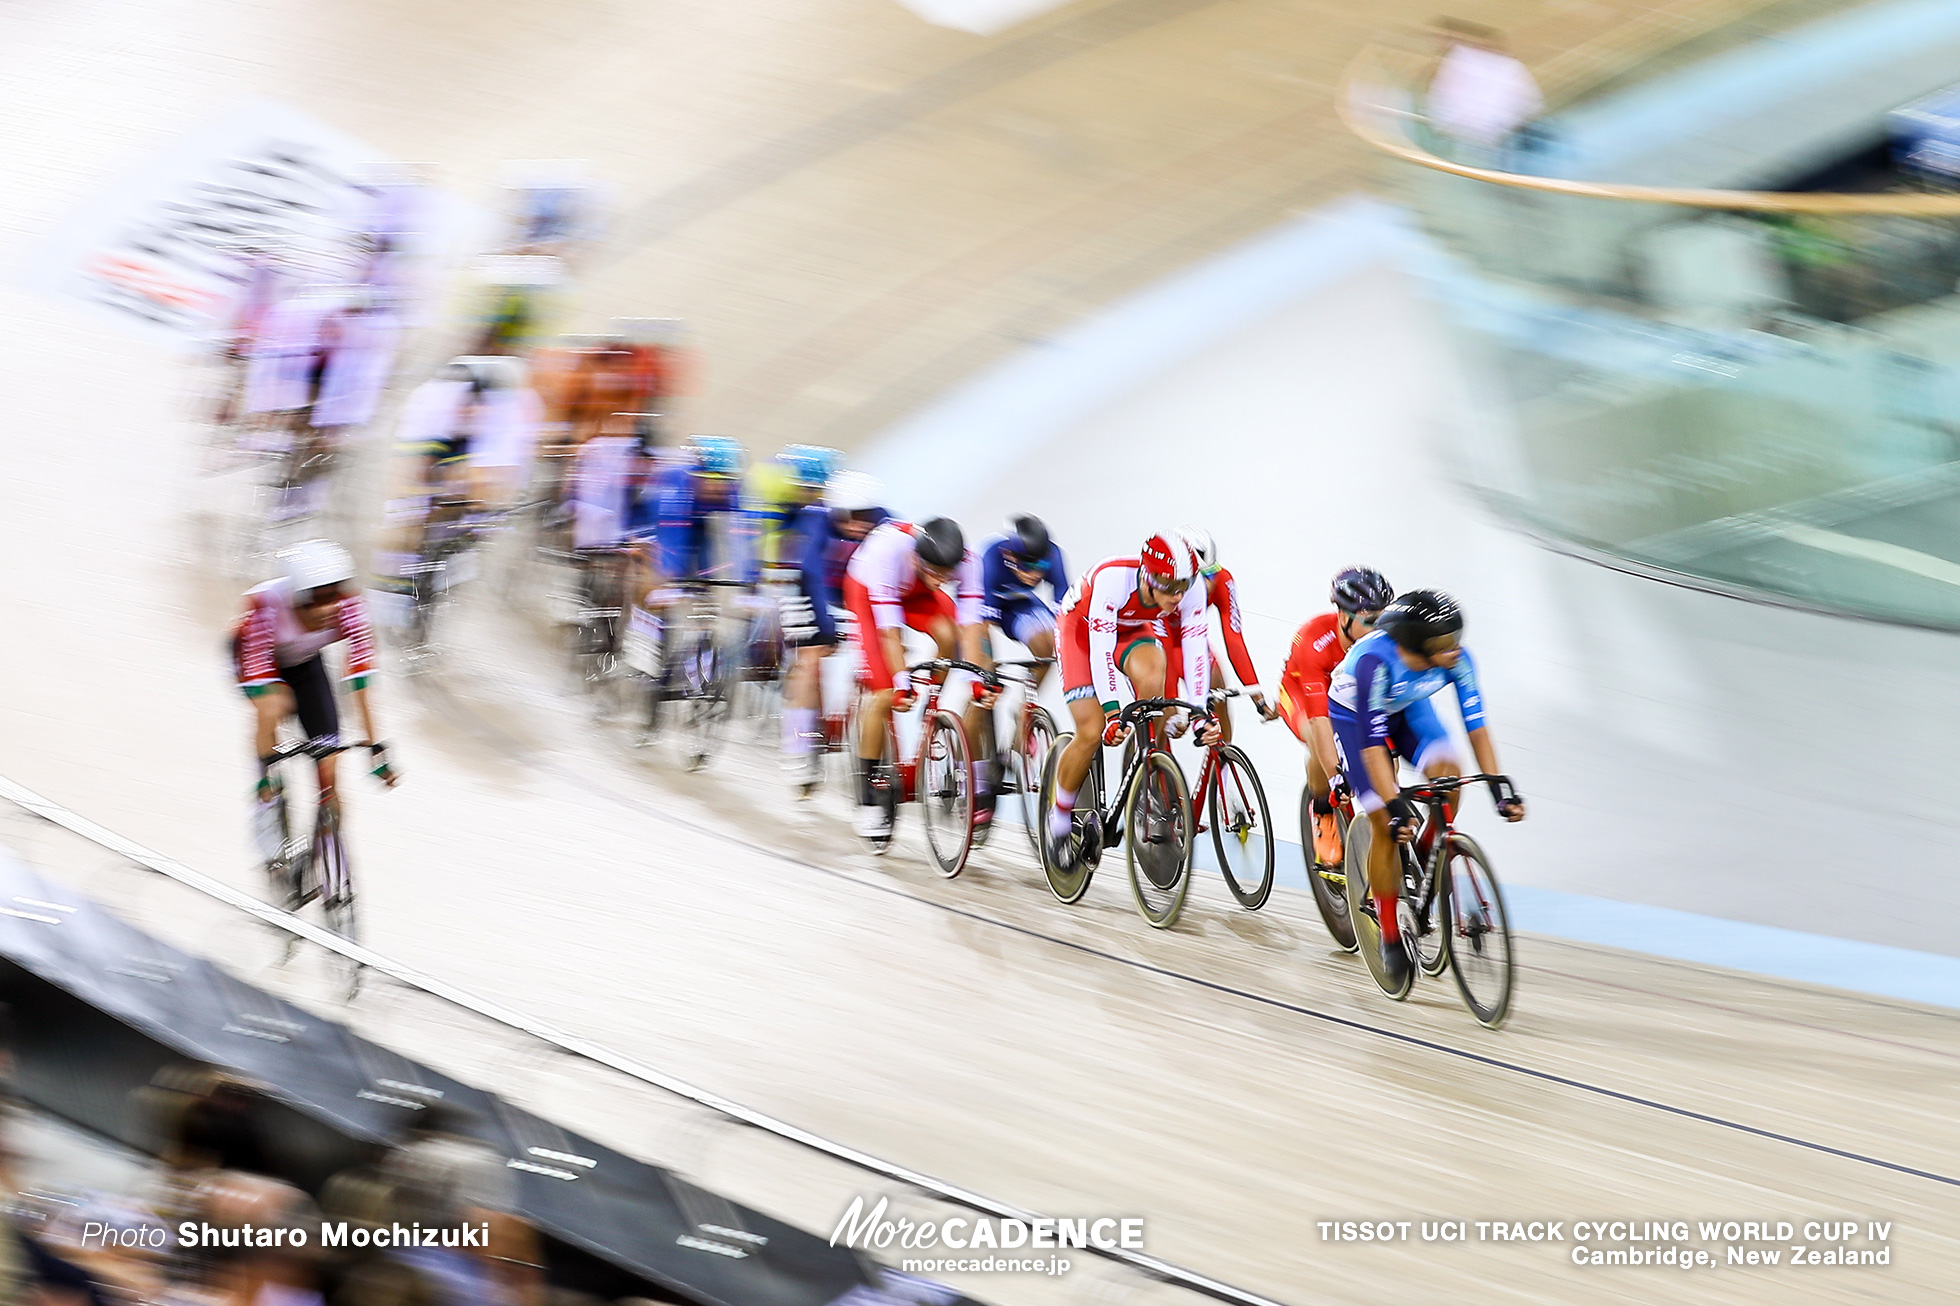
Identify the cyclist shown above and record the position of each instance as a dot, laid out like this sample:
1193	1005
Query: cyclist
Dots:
898	578
277	644
776	494
689	526
1014	565
1359	595
1222	592
1139	618
1380	693
828	534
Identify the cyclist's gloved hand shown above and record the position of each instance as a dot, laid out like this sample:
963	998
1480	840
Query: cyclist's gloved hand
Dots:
1176	724
1210	731
1266	710
1510	803
1402	817
903	698
1114	731
1338	790
378	762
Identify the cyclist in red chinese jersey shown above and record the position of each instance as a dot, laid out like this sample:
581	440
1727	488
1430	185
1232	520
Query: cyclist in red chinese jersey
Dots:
1359	595
1222	592
1139	618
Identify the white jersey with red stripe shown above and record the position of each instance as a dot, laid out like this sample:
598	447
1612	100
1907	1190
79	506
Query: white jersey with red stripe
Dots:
272	636
886	564
1105	599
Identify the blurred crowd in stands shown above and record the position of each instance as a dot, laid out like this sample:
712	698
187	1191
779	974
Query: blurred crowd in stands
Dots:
65	1245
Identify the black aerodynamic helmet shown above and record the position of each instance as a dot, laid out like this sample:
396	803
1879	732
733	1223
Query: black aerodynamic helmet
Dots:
1417	617
1361	589
1027	537
940	543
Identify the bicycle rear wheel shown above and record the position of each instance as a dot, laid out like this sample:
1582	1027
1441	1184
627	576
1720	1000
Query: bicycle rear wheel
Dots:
1329	883
1030	762
945	792
1067	886
1478	933
1158	814
1242	828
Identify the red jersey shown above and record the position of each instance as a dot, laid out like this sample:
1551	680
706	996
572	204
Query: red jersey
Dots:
1222	592
1310	663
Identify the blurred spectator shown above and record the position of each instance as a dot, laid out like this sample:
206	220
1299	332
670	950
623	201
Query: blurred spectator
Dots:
1479	95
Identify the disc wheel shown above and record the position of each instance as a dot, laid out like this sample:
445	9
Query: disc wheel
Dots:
1361	912
1242	829
945	792
1067	886
1030	763
1158	816
1329	883
1478	940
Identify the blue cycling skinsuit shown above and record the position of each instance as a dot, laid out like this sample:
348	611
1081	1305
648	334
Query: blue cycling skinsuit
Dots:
1014	607
1375	699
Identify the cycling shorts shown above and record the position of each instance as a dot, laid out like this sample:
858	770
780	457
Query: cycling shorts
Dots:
922	607
1416	732
1294	711
1072	641
1022	621
313	697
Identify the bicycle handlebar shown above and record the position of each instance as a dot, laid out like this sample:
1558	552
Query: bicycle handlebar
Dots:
1144	707
1433	790
985	676
318	752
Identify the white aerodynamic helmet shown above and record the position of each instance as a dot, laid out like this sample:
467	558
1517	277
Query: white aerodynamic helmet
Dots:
1203	547
854	492
316	563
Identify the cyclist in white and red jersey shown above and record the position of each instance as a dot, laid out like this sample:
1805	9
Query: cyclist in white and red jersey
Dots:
898	578
289	623
1222	592
1138	618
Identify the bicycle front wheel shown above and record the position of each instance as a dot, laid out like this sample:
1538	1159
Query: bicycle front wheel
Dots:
945	792
1478	933
1067	886
1242	829
1329	883
335	877
1158	813
1030	762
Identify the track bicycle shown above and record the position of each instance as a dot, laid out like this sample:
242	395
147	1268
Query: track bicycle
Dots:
1451	911
1231	802
1152	803
1028	748
692	685
938	776
303	868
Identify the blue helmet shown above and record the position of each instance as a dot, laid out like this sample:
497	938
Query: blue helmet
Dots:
718	455
811	464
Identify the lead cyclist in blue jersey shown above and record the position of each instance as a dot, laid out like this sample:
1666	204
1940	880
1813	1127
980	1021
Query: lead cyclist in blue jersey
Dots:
1380	694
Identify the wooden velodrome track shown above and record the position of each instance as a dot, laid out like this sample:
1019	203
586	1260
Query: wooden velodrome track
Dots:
854	210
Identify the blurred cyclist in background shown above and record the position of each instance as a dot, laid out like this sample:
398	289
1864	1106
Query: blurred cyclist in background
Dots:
777	492
1380	694
828	535
277	647
896	579
1359	594
1222	593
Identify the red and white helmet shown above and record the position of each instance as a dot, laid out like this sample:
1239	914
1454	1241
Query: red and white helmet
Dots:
1166	557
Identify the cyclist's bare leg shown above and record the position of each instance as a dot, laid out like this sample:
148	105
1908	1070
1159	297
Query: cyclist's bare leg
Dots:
270	709
1144	667
1042	645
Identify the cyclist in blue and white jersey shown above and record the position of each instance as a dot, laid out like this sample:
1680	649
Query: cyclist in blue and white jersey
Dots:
1014	565
699	523
1380	695
827	535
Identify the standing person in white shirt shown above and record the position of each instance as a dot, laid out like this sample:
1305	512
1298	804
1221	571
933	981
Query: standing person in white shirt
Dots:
1479	95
